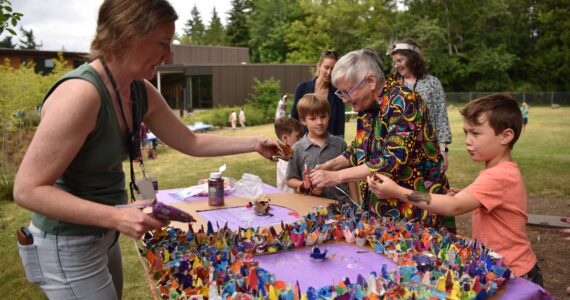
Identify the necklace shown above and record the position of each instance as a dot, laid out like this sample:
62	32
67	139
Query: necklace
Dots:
409	84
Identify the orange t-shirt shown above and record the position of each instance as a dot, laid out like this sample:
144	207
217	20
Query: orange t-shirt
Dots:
500	223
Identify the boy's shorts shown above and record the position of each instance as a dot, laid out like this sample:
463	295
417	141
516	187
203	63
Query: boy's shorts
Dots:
534	275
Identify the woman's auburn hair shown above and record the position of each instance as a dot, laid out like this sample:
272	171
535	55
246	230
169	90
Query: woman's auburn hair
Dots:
122	21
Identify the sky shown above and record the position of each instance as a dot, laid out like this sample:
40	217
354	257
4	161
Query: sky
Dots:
70	24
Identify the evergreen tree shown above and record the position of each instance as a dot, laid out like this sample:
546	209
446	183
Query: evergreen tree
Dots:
7	43
215	35
237	31
28	41
194	28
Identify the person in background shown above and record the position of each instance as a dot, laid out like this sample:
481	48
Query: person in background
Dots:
288	131
321	85
233	119
281	107
242	117
93	114
316	147
145	144
524	111
394	137
411	68
497	197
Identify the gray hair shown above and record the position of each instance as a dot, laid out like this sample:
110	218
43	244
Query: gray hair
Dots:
358	64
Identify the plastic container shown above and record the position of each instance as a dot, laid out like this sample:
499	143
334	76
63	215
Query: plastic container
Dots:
216	189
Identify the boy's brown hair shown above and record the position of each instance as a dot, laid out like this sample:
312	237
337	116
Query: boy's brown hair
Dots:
313	104
287	125
501	110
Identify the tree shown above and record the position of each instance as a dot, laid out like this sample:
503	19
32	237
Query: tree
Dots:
29	41
7	43
551	55
322	27
194	28
8	17
215	34
237	31
268	26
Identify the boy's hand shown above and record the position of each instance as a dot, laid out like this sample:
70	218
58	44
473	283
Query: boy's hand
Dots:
383	186
317	191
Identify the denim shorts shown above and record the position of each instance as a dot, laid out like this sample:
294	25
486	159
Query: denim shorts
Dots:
74	267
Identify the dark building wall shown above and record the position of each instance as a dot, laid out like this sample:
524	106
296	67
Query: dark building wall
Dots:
208	55
232	85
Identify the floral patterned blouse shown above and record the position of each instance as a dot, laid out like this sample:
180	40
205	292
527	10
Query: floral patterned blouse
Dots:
431	90
395	139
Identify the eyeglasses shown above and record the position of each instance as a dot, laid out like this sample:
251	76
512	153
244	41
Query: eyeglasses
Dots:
343	95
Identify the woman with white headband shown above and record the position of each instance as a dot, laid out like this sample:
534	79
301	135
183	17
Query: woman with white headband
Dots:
410	68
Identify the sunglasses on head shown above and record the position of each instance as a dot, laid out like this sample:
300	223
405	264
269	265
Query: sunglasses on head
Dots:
329	53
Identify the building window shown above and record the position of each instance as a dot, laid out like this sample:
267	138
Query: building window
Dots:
44	66
202	91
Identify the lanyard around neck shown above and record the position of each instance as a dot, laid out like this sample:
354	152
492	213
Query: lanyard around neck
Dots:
117	94
129	135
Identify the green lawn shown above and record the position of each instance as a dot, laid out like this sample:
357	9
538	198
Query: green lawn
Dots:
542	152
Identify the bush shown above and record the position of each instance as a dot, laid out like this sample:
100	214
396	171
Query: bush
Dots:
265	96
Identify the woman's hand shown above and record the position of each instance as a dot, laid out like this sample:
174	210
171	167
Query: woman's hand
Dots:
134	222
267	147
445	161
321	178
383	186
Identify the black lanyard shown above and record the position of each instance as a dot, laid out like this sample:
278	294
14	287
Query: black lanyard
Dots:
130	136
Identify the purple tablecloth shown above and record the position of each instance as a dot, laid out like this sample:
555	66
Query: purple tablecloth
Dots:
344	260
165	197
245	217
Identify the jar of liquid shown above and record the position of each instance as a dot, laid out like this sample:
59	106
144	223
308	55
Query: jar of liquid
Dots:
216	189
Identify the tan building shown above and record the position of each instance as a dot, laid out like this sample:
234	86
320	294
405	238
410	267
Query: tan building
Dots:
206	77
43	60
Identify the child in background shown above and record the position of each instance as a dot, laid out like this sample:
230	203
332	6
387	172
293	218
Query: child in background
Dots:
497	197
242	117
316	147
288	131
233	119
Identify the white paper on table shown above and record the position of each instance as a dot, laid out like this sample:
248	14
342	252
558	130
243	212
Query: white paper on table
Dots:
190	191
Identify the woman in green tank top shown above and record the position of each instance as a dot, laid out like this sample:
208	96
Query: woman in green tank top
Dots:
90	116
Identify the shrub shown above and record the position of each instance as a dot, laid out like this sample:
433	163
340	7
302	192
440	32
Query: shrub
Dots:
265	96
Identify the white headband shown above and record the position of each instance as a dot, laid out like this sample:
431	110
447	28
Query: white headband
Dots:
405	46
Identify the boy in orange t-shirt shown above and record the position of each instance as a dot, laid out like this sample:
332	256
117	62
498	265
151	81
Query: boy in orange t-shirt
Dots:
497	197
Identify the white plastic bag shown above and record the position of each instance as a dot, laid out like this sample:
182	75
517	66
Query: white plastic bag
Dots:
249	186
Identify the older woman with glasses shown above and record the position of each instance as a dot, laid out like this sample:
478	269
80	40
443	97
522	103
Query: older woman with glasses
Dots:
394	138
321	85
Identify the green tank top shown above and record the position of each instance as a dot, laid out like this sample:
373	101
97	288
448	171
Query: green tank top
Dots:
96	172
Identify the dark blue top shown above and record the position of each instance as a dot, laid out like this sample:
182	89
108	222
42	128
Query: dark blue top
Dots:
336	122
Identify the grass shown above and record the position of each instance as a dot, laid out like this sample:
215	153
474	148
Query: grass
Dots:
541	152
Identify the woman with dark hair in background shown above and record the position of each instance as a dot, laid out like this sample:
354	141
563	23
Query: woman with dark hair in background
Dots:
410	68
322	85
